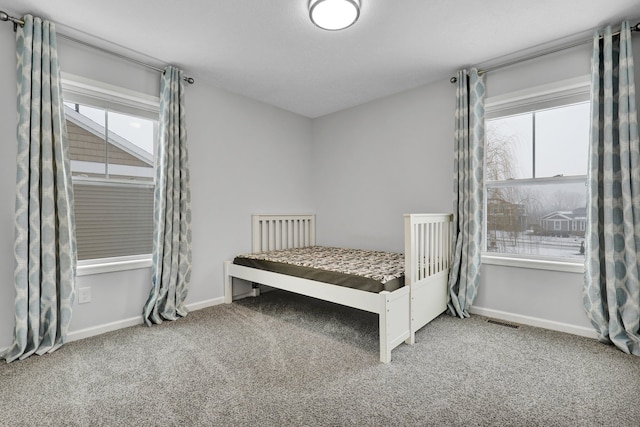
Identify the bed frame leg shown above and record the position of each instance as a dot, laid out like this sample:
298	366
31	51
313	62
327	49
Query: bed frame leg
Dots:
412	333
412	338
385	350
228	283
386	357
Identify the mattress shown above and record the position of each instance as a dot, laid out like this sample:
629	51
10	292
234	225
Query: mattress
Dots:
371	271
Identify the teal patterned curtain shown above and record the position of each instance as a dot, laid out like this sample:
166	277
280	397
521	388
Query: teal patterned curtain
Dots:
44	246
171	267
612	289
468	192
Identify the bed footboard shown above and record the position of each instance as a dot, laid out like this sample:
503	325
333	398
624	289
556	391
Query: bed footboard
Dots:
427	262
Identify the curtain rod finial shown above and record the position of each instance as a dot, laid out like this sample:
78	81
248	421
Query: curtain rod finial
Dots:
4	16
453	80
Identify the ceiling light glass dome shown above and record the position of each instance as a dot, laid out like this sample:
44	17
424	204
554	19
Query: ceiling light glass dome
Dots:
334	15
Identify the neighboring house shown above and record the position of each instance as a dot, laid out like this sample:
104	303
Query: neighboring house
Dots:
88	152
565	222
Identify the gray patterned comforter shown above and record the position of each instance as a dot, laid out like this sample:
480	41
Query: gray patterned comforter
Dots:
377	265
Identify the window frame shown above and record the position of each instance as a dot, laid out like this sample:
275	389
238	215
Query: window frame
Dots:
77	89
557	94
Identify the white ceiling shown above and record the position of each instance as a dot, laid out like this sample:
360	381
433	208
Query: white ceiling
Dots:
270	51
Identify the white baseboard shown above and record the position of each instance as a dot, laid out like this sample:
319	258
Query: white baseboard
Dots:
102	329
133	321
535	321
204	304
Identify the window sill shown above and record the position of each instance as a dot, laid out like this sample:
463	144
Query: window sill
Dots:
533	263
110	265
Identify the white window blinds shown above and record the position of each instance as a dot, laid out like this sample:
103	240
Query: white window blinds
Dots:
113	220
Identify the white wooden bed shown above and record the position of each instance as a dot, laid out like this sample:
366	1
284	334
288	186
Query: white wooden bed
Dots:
401	312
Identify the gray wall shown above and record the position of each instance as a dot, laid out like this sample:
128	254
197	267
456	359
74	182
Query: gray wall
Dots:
375	162
238	148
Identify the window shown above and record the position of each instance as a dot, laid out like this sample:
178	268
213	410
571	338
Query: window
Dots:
111	145
536	153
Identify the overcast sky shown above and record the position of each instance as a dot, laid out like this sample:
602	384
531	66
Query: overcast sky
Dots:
561	143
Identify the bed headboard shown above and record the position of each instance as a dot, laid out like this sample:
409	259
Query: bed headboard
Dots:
272	232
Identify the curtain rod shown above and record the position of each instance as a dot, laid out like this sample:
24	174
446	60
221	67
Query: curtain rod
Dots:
634	28
6	17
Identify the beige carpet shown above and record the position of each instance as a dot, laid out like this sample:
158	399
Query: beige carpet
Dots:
282	359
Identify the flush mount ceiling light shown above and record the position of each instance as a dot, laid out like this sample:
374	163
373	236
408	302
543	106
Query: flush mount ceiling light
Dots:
334	15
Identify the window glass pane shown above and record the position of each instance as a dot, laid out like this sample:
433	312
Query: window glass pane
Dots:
113	218
87	150
509	147
561	140
127	143
542	220
130	147
92	113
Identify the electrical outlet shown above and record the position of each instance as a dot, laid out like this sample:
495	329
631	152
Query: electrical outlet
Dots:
84	295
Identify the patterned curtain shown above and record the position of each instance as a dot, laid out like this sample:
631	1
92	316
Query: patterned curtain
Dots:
612	290
468	192
171	268
44	247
